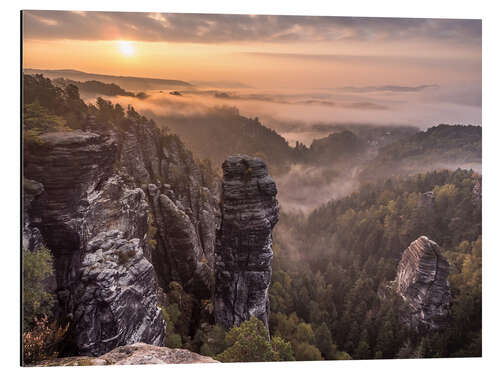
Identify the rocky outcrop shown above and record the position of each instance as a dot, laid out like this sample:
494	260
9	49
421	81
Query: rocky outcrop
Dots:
184	204
32	238
116	297
95	224
136	354
180	255
477	193
422	282
124	212
244	242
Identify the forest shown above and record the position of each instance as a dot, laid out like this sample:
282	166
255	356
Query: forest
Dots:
329	268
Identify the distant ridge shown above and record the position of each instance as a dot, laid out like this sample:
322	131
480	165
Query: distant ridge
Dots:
127	82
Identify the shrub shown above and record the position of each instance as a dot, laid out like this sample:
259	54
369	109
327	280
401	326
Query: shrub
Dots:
250	343
40	342
212	338
170	315
283	348
37	300
37	120
307	352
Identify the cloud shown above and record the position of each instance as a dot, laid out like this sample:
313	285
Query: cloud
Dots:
292	99
221	28
387	88
365	105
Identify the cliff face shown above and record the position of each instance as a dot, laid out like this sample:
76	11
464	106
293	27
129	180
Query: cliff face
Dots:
422	282
95	224
184	203
244	241
124	213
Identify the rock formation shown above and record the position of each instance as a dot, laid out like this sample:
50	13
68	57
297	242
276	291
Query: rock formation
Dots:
32	238
477	193
124	212
95	225
136	354
244	242
183	201
422	282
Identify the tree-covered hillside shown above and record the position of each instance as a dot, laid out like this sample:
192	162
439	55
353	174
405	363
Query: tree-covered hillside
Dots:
223	132
443	146
331	269
97	88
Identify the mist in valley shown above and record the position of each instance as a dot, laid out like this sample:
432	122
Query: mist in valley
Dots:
377	116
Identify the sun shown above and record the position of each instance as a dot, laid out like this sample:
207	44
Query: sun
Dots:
126	47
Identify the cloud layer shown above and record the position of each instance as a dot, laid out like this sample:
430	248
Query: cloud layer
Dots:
212	28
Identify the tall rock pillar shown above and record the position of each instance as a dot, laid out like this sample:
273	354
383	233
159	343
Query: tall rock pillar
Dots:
244	242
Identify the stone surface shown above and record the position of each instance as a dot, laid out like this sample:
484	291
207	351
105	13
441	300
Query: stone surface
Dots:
244	242
32	237
184	204
422	282
88	216
112	191
136	354
116	298
180	255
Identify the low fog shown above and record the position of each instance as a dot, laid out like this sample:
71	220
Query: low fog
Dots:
305	188
298	115
306	116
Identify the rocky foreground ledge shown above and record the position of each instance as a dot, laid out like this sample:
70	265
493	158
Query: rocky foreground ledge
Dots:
136	354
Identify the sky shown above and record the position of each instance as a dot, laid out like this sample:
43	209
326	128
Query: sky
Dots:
391	70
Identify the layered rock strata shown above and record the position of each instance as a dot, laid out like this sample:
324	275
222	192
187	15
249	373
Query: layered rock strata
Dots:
95	224
124	212
422	283
243	251
183	201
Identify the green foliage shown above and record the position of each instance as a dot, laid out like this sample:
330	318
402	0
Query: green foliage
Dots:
333	147
362	237
94	87
324	341
212	339
249	343
305	333
178	315
221	132
37	299
38	120
65	103
426	150
283	348
307	352
172	339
